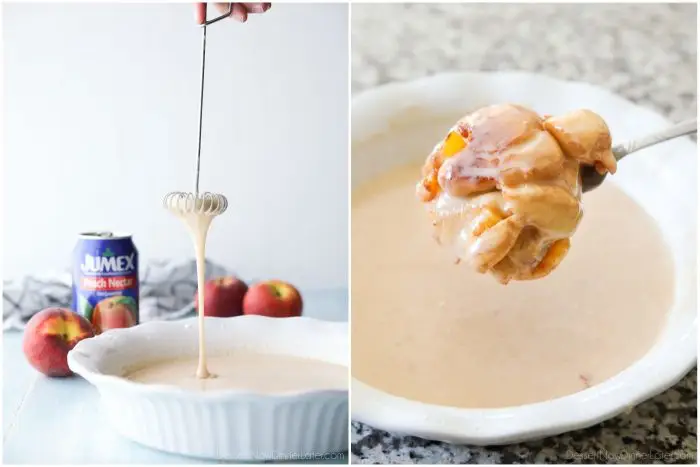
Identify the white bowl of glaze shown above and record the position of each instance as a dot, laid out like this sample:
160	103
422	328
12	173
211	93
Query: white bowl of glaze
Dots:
663	180
222	425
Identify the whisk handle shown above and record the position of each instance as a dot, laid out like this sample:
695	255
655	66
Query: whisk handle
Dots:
202	14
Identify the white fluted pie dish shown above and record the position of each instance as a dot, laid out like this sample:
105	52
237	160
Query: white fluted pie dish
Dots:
226	424
393	123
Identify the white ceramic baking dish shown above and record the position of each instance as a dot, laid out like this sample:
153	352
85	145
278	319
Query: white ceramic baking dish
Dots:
414	115
223	425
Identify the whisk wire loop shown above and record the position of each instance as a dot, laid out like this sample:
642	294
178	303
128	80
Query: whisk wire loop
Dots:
211	204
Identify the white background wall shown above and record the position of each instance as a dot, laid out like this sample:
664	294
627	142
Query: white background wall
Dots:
100	116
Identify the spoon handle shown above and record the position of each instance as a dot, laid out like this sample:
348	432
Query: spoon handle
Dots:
680	129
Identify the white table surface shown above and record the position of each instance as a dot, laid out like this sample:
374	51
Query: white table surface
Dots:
58	420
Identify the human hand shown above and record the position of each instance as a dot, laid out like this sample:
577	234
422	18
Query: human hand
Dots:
239	12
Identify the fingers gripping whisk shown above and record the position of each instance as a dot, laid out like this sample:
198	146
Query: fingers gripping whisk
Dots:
209	204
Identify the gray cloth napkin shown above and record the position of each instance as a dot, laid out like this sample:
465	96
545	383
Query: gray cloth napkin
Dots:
167	292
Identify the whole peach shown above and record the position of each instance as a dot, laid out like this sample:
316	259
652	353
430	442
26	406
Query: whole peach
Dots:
50	335
276	299
223	297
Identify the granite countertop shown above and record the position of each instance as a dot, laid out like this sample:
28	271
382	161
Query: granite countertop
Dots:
645	52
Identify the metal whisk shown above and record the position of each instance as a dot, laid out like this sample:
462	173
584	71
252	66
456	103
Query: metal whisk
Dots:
212	204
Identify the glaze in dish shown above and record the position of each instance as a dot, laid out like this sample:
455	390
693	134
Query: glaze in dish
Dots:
243	369
462	339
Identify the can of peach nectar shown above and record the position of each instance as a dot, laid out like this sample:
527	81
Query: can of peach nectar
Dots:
106	280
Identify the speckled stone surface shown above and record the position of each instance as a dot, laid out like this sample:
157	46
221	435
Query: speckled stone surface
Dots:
645	52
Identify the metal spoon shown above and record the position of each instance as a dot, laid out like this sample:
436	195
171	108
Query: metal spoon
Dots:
591	179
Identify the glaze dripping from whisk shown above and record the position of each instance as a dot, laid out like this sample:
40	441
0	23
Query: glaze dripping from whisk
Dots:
197	211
